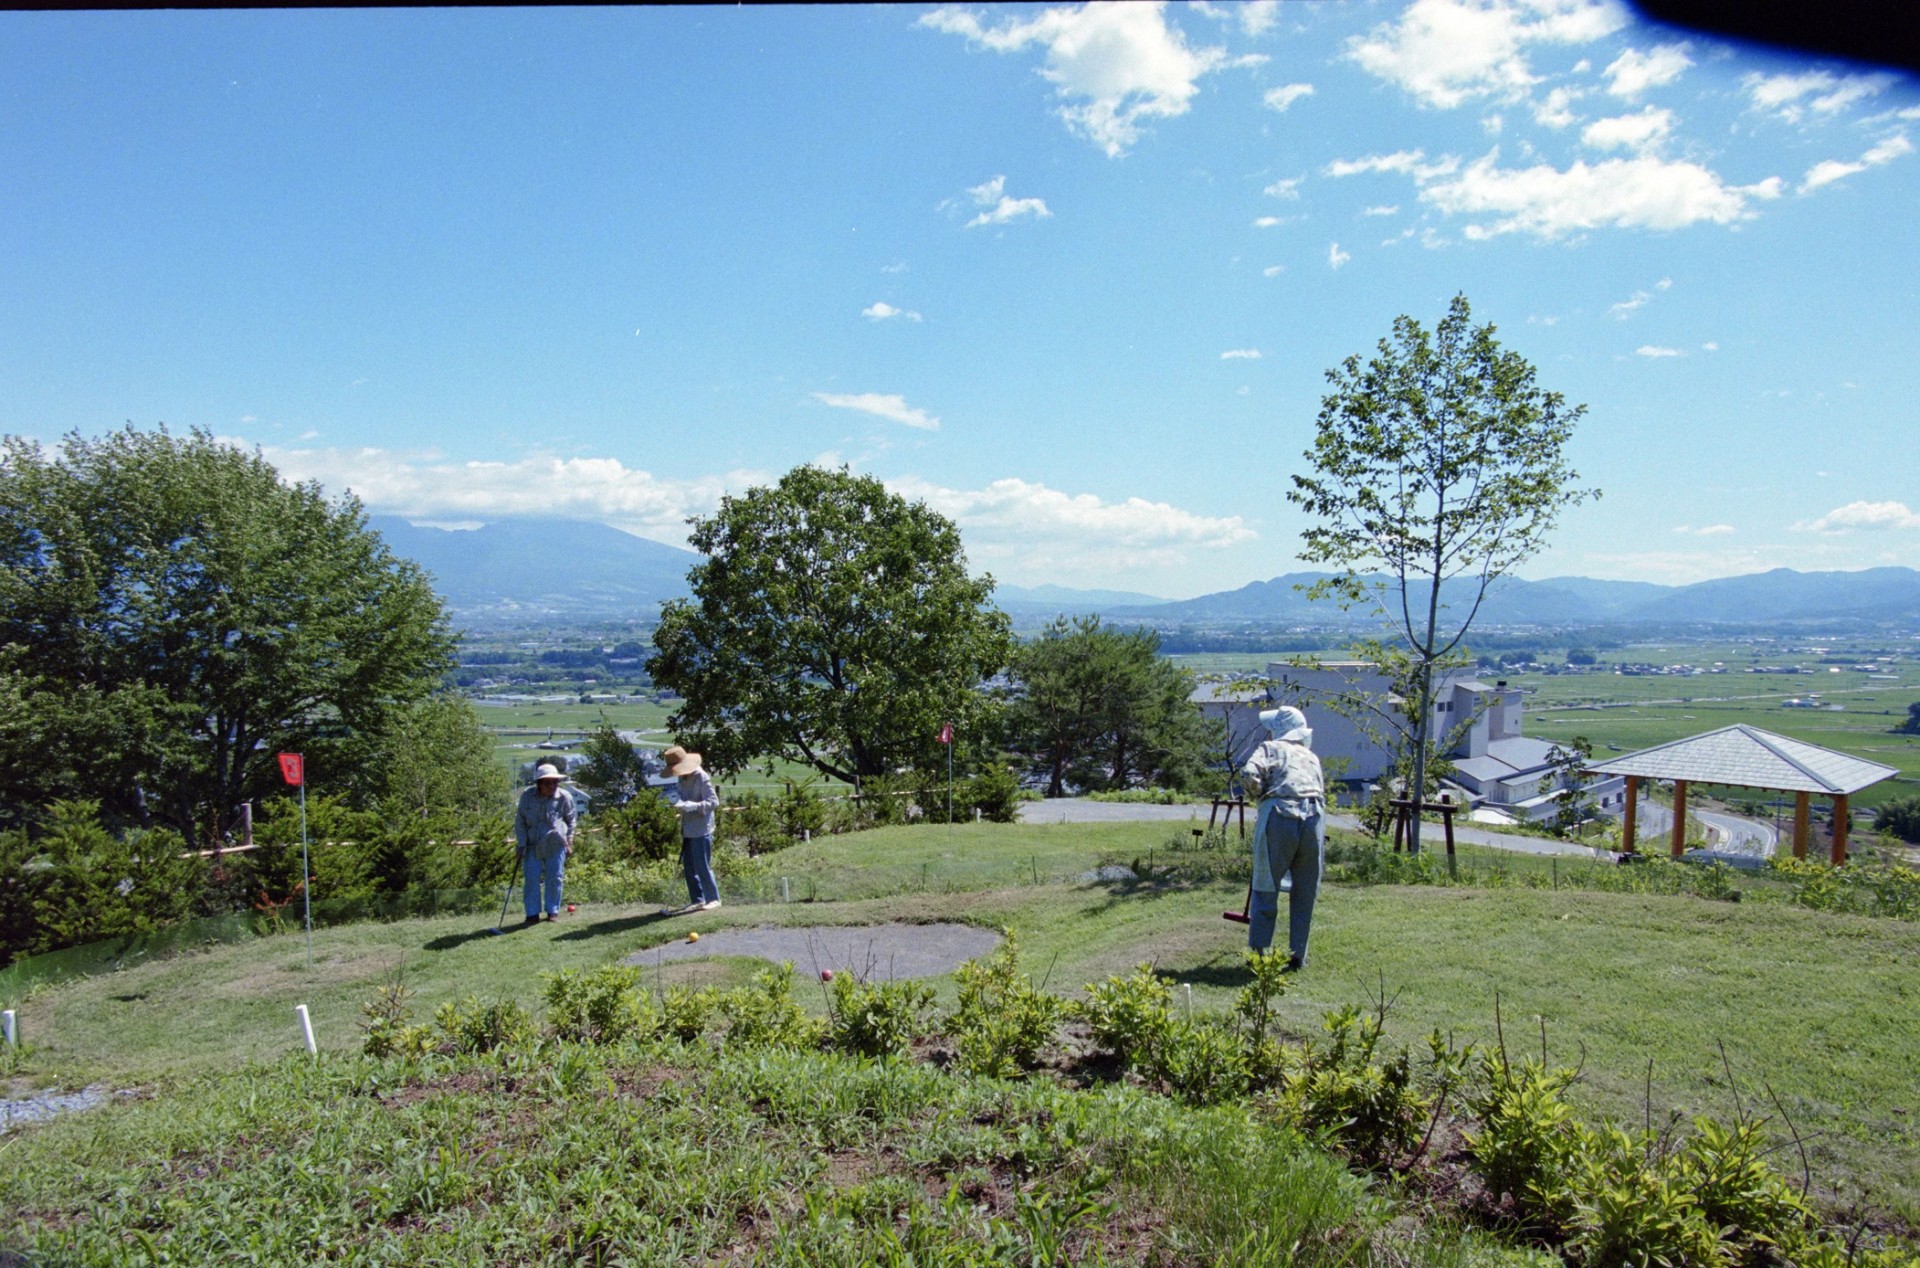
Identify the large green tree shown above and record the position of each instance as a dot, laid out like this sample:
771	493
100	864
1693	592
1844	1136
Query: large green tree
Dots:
1099	707
832	623
1436	468
173	613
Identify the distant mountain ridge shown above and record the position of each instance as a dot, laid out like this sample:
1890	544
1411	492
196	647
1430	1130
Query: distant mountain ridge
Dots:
529	569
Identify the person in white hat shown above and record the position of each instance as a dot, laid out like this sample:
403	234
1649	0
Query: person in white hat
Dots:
543	834
695	798
1289	838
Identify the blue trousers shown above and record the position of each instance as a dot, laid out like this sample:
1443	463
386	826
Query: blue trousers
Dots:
696	861
1296	848
539	874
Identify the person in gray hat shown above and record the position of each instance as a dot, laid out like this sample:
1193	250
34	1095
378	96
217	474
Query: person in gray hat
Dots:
543	834
1289	838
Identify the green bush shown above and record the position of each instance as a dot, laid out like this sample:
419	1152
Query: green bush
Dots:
1367	1105
1001	1021
1528	1142
686	1011
1132	1018
604	1006
386	1020
801	809
752	824
764	1014
470	1026
876	1019
1901	819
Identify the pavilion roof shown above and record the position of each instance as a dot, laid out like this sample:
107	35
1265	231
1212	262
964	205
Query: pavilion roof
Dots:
1747	757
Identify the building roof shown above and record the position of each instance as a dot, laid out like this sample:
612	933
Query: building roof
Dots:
1506	758
1747	757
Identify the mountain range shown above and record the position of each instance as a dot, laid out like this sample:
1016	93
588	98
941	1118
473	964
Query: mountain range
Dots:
527	569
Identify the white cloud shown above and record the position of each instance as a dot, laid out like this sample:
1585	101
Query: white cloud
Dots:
898	266
892	407
1633	72
1402	162
1627	307
1831	170
1267	222
1711	345
1257	16
1043	532
1707	530
1865	516
1335	256
1656	352
1001	209
1555	110
1273	270
1114	65
427	486
1380	211
1283	189
1637	132
1447	52
1284	96
1636	193
1241	354
880	310
1822	92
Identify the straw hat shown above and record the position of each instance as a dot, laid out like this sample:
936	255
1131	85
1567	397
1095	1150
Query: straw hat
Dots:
679	761
546	772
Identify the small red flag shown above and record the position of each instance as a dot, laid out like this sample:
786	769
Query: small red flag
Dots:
946	733
293	769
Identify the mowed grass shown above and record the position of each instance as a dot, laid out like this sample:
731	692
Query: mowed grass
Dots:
1816	1012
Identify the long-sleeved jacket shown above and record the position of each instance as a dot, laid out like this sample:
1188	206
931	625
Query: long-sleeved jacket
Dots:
696	800
1287	774
544	825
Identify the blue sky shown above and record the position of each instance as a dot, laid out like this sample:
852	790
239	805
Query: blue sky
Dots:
1072	275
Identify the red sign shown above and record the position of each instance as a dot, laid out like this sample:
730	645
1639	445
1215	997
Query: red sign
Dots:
946	733
293	769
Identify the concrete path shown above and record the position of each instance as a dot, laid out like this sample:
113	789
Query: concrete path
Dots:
1081	810
880	953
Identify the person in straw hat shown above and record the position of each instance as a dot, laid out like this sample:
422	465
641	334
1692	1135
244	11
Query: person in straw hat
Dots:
543	834
695	799
1289	839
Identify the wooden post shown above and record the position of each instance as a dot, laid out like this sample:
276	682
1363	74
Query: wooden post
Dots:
1840	818
1446	817
1679	817
1799	825
1626	819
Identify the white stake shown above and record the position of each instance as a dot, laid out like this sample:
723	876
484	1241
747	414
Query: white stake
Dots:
1189	986
786	894
306	1029
10	1028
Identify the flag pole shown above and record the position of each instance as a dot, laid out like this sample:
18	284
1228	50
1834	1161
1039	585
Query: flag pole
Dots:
306	873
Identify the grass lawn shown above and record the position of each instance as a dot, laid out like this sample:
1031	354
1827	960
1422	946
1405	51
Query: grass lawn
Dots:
1644	992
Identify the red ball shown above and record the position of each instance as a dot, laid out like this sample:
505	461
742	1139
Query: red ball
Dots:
826	975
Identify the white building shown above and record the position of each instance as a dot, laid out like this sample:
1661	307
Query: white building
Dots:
1498	770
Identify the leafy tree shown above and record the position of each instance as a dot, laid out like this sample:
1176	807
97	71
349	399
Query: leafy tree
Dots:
1912	725
832	623
1901	819
1569	764
436	757
1438	462
1100	707
175	614
614	770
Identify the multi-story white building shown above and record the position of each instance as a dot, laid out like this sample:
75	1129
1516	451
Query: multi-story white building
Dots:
1500	771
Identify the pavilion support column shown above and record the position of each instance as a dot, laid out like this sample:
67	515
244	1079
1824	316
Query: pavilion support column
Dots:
1800	816
1626	818
1679	817
1840	820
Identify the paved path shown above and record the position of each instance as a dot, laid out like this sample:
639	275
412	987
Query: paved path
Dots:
1080	810
879	953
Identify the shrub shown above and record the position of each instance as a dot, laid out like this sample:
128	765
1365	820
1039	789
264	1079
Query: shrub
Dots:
995	793
752	824
876	1019
1367	1106
470	1026
685	1011
1131	1017
1900	818
643	830
72	882
801	810
764	1014
1001	1020
604	1006
1201	1061
1529	1142
386	1021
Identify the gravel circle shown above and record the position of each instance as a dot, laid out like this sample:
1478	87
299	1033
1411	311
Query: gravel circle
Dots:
18	1111
877	953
